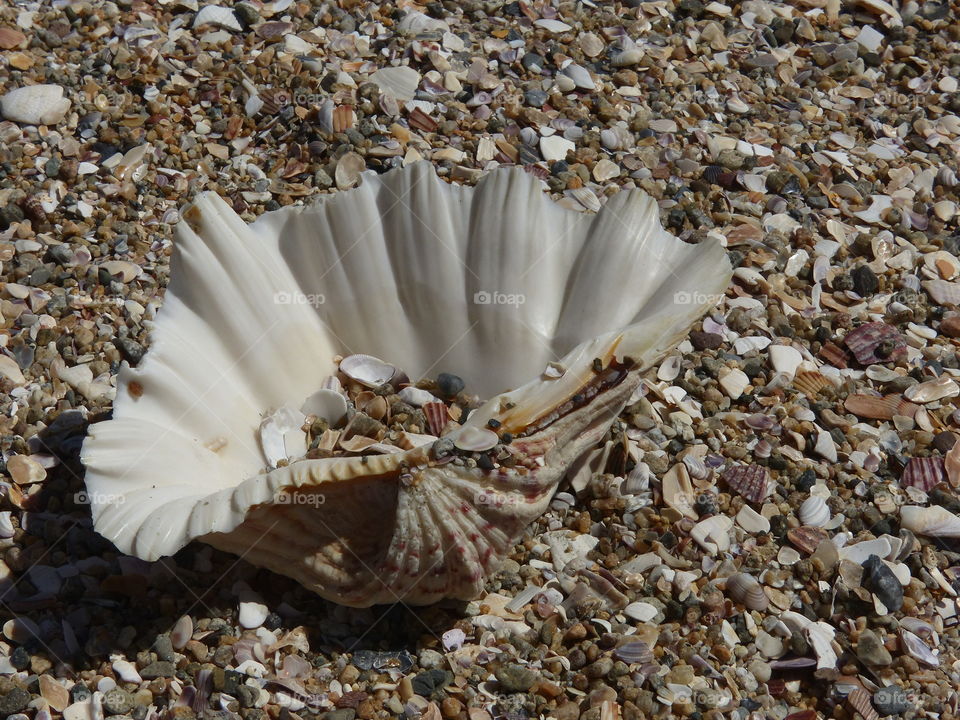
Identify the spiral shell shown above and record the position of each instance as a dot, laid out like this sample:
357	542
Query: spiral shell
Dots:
814	512
746	590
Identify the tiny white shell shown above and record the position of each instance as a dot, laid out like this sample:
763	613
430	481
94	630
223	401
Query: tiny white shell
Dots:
475	439
327	404
416	397
814	511
367	370
746	590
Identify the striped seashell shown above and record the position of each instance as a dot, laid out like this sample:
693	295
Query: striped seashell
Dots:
697	468
419	526
436	414
865	341
744	589
924	473
807	538
873	407
810	382
814	512
635	651
834	355
916	648
859	700
750	481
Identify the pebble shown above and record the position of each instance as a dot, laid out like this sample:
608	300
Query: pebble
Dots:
515	678
870	650
159	669
117	702
450	385
13	701
881	581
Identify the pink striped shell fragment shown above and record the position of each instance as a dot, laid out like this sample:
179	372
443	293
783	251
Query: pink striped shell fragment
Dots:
876	343
923	473
750	481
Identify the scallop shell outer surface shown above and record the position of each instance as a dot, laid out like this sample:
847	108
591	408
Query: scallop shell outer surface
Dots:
433	279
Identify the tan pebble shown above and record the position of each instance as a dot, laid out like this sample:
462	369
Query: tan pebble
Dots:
54	693
25	470
20	61
10	38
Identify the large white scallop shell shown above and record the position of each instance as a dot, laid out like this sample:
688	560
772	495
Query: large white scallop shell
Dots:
491	283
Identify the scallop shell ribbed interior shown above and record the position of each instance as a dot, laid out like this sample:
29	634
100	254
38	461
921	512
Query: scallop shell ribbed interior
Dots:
399	268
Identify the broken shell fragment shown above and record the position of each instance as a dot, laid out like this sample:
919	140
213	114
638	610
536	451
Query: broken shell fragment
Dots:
932	390
933	521
713	534
678	491
806	538
749	481
876	342
35	105
419	522
923	473
328	404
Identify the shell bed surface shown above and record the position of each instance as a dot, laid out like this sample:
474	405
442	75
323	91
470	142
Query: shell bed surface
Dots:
817	141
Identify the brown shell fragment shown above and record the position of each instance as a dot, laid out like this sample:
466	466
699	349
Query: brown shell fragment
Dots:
876	343
873	407
807	538
859	701
923	473
750	481
834	355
